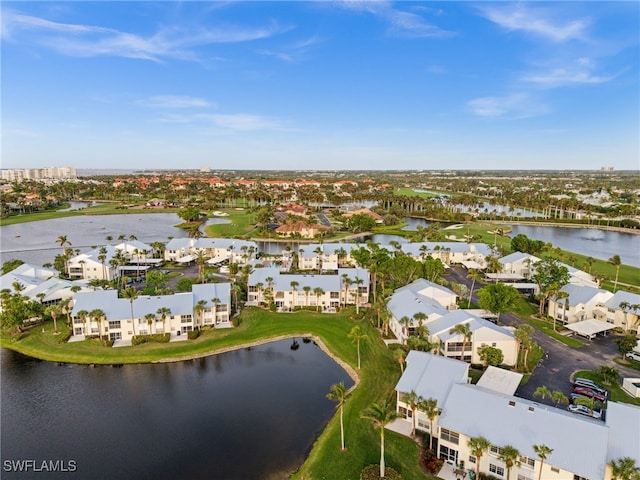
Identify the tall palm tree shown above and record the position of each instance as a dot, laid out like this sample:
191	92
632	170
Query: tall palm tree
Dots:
151	319
412	399
542	392
164	312
306	289
473	274
356	335
431	410
358	281
198	310
543	452
624	469
381	416
82	315
201	261
616	262
294	288
131	294
339	394
405	321
215	301
54	311
478	446
557	397
98	315
511	458
465	330
318	292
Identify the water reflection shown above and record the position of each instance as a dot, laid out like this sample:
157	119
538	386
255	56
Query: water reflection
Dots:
243	414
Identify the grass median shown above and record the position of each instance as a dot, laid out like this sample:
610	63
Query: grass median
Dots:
378	376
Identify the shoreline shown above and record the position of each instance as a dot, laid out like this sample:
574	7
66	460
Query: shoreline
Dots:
344	365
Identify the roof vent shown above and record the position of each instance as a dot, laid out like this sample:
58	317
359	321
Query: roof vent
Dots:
512	403
531	409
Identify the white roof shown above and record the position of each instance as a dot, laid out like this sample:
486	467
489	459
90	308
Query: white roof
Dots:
579	443
624	423
590	327
431	376
469	264
186	259
500	380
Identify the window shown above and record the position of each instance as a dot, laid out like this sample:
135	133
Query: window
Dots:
496	469
335	295
472	459
495	450
578	477
114	324
449	454
527	462
555	469
449	436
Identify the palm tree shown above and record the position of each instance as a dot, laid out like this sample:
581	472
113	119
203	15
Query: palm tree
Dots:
616	262
381	416
465	330
198	310
478	447
259	286
543	452
557	397
201	261
542	392
318	293
164	312
82	315
511	458
98	315
131	294
54	311
405	321
398	353
358	282
215	301
431	410
412	399
473	275
624	469
355	335
294	288
306	289
339	394
151	319
609	375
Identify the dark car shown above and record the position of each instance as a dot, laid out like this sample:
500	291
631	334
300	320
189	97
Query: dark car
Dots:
588	392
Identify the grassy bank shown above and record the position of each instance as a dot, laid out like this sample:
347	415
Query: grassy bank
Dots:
378	377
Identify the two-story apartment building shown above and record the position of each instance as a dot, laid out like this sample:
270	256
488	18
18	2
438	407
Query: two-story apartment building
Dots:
121	319
217	250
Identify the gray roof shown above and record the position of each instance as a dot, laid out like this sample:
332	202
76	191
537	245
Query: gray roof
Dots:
500	380
329	283
406	303
441	326
622	296
431	376
507	420
579	294
120	308
624	423
518	256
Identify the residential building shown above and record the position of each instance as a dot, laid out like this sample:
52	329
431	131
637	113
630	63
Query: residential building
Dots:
326	256
217	250
349	286
182	314
47	173
582	447
471	255
622	310
576	303
301	229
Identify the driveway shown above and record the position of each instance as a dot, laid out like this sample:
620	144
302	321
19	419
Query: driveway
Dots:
560	361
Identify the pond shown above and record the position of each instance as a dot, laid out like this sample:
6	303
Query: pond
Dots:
250	413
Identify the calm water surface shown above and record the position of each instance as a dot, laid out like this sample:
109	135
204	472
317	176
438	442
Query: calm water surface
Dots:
248	414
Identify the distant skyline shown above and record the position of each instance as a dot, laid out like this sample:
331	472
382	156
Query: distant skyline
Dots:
320	85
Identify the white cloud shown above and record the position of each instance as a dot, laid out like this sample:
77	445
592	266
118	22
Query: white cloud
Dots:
240	122
515	105
91	41
579	72
539	21
174	101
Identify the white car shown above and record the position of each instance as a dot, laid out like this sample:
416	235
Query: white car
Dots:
584	410
633	356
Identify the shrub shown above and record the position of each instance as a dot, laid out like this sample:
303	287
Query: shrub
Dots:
372	472
431	462
160	337
139	339
193	334
486	476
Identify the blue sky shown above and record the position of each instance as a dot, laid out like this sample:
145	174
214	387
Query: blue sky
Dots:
321	85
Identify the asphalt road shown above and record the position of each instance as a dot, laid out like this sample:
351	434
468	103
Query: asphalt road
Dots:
560	361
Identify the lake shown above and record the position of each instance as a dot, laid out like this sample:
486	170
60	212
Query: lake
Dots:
248	414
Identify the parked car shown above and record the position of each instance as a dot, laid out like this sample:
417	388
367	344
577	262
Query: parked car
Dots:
633	356
588	392
575	396
583	410
585	382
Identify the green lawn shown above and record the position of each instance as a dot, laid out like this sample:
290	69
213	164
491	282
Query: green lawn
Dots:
241	223
378	376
